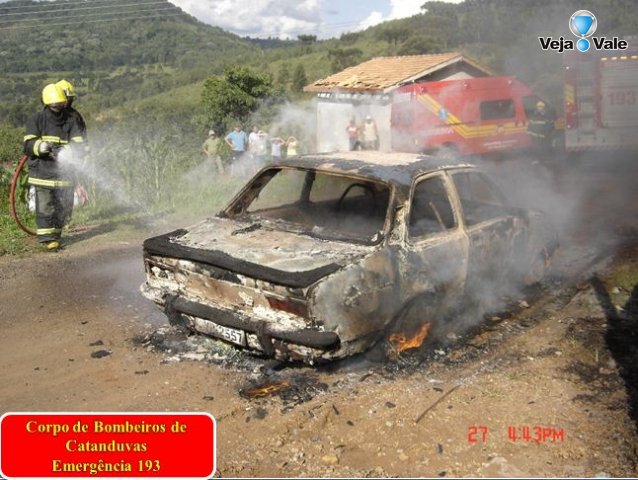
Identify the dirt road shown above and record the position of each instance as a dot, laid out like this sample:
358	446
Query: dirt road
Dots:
77	336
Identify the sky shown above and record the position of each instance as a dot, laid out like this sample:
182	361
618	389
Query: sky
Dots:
289	18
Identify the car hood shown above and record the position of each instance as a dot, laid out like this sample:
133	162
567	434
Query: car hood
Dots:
257	251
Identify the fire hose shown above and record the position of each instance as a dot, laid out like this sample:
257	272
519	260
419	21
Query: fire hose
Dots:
12	199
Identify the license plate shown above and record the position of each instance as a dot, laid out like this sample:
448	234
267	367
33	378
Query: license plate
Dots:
232	335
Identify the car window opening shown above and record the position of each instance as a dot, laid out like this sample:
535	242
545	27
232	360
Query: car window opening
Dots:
479	197
431	211
321	204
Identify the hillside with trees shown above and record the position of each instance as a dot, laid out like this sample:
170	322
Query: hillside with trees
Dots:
80	35
120	51
152	79
114	52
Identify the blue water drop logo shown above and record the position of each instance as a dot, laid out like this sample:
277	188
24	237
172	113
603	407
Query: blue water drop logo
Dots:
583	45
583	24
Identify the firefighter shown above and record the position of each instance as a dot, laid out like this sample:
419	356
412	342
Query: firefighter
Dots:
69	92
541	128
52	135
80	195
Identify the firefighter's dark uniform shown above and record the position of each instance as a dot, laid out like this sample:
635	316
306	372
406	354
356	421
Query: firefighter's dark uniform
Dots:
78	120
76	117
540	129
52	181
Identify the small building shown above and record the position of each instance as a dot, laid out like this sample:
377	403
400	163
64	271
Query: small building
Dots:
365	90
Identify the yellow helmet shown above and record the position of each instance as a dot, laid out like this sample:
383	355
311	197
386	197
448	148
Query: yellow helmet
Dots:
67	87
52	94
540	104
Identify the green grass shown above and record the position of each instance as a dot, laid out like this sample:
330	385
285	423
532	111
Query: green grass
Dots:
624	273
13	241
206	199
199	198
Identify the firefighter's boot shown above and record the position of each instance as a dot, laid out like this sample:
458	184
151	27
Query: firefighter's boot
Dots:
52	246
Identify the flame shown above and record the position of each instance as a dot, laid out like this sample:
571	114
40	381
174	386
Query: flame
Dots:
401	343
265	390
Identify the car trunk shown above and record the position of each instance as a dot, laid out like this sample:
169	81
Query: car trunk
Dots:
257	251
244	279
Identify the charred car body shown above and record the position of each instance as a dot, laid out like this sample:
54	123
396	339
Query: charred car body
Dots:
319	257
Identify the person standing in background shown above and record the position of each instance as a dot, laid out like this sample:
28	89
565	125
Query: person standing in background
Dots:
237	142
541	129
253	141
370	134
211	150
275	148
292	147
260	149
353	135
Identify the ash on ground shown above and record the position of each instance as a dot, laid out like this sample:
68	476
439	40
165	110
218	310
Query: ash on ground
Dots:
176	345
292	389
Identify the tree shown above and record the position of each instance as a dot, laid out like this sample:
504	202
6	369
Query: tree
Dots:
307	38
299	79
235	96
348	38
393	33
283	77
419	45
344	58
306	42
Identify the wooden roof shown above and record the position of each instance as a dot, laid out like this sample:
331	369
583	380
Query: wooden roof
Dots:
383	74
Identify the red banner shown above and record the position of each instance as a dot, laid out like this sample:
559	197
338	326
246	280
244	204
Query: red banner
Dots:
142	445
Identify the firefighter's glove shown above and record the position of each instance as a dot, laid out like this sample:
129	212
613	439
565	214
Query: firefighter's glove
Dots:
44	149
60	152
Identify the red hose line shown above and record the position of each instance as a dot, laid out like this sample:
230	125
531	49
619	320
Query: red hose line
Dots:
12	199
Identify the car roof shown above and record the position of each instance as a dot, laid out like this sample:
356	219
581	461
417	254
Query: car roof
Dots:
392	167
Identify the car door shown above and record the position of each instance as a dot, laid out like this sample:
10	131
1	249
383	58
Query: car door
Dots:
491	227
436	249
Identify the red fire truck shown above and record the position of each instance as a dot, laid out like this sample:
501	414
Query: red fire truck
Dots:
601	100
469	116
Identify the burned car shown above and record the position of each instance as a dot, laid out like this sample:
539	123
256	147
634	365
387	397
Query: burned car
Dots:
321	256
